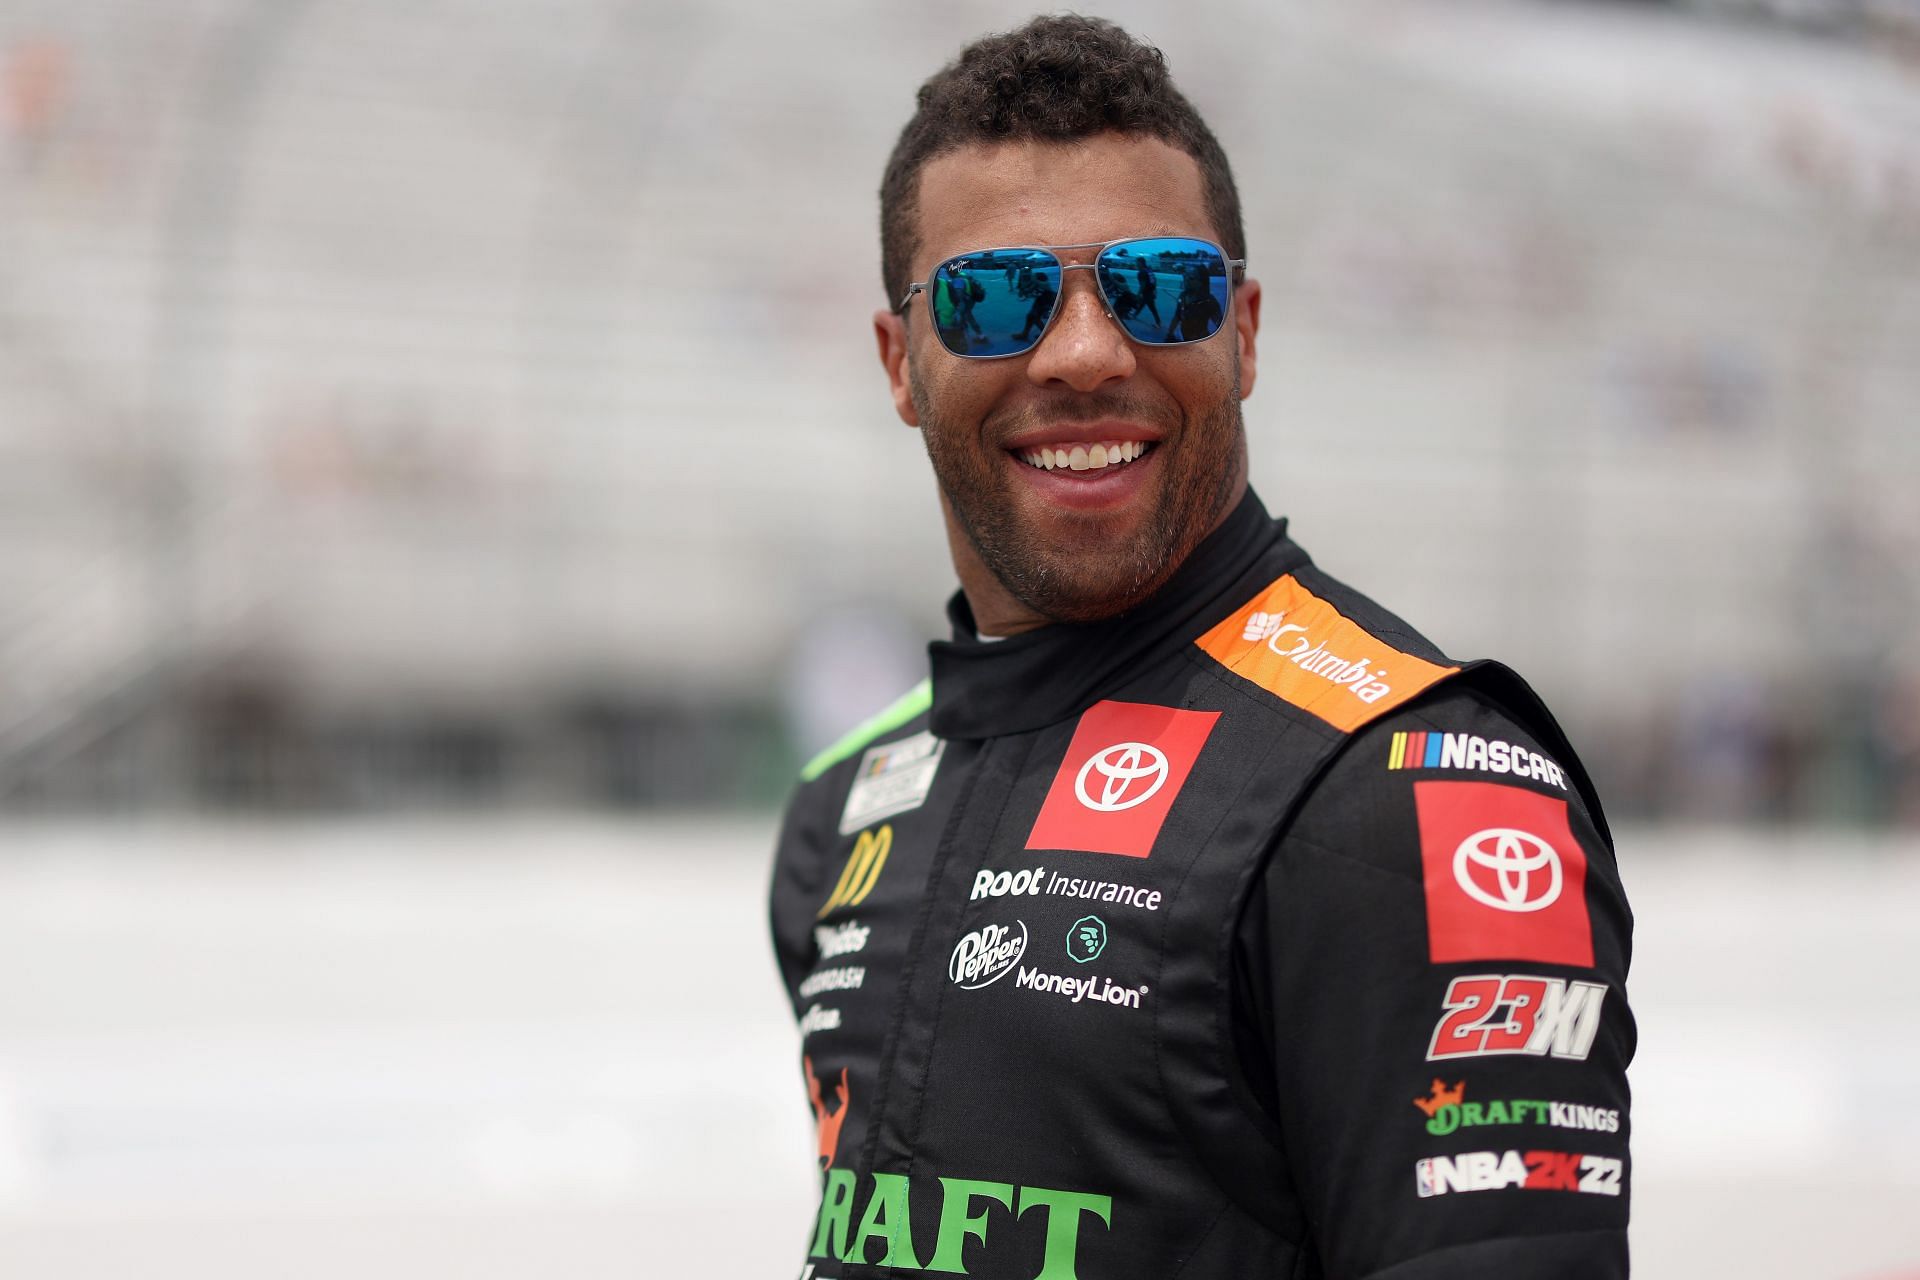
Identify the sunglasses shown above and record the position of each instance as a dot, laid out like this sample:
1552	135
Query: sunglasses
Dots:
1163	290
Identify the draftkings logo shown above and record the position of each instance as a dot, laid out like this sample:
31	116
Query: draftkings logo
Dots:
1447	1111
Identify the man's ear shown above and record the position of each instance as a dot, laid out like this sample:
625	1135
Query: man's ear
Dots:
1246	327
890	330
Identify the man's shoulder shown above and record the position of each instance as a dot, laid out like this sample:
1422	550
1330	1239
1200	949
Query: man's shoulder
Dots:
898	714
1404	710
1314	644
1459	754
880	766
1463	728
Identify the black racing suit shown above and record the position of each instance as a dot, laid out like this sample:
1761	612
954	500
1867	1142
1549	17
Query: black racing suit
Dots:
1244	935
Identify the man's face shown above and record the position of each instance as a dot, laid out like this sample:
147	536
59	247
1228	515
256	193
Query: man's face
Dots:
1073	545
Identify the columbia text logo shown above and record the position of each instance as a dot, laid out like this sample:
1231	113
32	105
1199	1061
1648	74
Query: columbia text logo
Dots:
1290	641
1304	651
864	864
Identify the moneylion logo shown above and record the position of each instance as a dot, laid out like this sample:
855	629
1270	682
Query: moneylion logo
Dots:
1513	857
864	865
986	955
1121	766
1099	990
1087	939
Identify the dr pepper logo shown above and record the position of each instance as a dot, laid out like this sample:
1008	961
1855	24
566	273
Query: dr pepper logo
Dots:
1505	879
1125	765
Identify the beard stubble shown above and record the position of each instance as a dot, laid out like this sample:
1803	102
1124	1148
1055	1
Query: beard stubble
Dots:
1083	576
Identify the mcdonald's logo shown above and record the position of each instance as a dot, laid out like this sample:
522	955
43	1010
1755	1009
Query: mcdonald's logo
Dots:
864	864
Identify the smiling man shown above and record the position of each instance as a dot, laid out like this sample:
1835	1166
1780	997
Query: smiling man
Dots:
1197	917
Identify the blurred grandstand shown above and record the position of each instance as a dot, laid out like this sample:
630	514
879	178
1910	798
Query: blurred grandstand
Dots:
433	403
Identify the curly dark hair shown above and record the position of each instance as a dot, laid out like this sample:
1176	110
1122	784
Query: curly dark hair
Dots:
1059	78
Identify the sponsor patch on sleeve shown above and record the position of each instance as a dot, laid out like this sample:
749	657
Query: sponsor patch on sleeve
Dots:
1295	645
1518	1170
1125	765
1487	1014
893	777
1429	749
1505	879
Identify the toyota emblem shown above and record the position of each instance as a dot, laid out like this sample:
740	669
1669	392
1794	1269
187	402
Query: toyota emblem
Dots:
1131	771
1525	869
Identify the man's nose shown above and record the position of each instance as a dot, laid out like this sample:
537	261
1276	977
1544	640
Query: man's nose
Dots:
1083	347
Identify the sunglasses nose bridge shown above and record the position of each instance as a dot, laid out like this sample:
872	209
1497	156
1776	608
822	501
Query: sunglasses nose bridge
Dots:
1099	290
1085	345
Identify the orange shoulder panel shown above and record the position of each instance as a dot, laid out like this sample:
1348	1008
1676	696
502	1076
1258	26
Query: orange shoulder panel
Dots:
1293	644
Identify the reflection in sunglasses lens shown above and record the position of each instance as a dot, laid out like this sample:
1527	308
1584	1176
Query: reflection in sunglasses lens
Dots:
994	303
1167	289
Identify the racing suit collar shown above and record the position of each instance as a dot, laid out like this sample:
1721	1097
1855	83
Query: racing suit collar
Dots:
1041	677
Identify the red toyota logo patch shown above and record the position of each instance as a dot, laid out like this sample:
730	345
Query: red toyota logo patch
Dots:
1125	765
1505	878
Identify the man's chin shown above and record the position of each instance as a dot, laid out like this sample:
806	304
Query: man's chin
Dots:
1085	597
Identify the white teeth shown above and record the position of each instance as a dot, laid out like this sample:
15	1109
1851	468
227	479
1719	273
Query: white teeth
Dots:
1086	458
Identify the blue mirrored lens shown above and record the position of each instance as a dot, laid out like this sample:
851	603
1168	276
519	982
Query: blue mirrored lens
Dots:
994	303
1166	289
